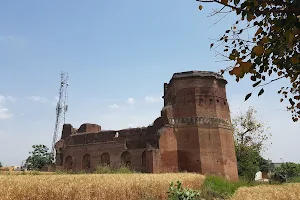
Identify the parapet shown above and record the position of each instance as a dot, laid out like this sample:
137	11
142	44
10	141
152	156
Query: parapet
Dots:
198	74
66	131
89	128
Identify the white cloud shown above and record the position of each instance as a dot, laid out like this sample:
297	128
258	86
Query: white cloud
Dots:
4	113
2	98
38	99
114	106
151	99
7	98
131	101
12	99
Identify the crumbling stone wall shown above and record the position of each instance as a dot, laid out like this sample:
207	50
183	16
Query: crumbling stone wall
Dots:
86	150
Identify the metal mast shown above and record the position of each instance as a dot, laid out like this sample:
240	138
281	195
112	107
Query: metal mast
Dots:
61	108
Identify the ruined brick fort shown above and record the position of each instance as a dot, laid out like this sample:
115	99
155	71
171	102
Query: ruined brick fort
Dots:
193	134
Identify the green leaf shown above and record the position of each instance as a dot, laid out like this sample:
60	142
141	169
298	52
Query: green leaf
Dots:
248	96
261	92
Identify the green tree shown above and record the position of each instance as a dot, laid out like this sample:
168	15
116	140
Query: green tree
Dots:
1	164
249	130
248	161
40	157
264	165
250	135
286	171
264	44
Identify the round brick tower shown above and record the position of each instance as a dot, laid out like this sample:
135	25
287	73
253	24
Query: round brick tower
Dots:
197	114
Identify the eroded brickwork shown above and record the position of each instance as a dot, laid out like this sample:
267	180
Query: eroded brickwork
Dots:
192	134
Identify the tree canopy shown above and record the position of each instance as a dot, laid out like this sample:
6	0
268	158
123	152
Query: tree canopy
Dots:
286	171
250	137
271	52
1	164
250	131
40	157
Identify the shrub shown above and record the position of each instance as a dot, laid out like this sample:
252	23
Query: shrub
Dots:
294	180
177	192
218	187
286	172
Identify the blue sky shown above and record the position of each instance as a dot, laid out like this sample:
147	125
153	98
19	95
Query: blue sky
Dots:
118	54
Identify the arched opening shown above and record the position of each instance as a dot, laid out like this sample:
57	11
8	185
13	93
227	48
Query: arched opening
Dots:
105	159
126	159
68	163
86	161
144	159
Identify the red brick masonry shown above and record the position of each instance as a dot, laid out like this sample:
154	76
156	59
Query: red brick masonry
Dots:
193	134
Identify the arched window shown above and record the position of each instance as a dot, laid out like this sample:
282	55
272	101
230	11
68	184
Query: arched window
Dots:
144	159
105	159
86	161
68	163
126	158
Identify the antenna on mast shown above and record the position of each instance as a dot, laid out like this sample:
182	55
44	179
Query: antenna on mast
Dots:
61	109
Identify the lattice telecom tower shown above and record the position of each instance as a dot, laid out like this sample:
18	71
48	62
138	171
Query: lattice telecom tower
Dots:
61	108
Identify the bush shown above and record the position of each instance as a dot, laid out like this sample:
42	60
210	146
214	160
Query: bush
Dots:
294	180
103	169
286	172
177	192
218	187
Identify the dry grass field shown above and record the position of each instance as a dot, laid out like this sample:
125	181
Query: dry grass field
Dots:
290	191
93	186
24	172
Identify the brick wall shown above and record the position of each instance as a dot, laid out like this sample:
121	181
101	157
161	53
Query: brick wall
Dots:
198	112
192	134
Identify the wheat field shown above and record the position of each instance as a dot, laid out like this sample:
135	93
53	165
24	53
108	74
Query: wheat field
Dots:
93	186
290	191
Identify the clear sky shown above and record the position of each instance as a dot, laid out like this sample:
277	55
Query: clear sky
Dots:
118	55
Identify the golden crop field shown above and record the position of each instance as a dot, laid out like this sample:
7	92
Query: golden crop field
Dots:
93	186
24	172
290	191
